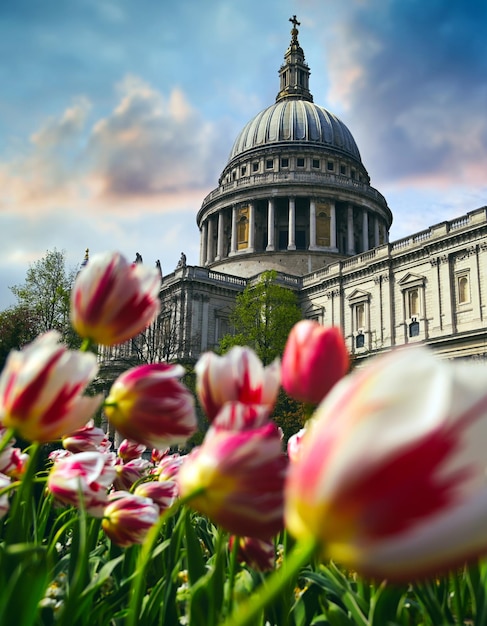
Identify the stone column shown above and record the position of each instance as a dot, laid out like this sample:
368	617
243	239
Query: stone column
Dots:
350	234
365	230
209	244
376	231
270	225
251	244
203	243
333	226
292	225
219	241
312	224
233	242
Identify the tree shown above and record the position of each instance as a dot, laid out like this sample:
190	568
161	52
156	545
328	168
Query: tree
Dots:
45	294
264	314
17	327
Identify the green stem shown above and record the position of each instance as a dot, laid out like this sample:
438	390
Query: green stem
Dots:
232	573
86	345
144	558
7	436
248	613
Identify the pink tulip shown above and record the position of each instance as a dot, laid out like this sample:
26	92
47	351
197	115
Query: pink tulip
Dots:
237	376
257	553
41	387
86	439
149	405
130	450
315	358
238	416
128	518
157	455
161	493
113	300
390	479
83	479
240	476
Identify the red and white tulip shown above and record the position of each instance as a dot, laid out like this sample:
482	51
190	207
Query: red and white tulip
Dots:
391	476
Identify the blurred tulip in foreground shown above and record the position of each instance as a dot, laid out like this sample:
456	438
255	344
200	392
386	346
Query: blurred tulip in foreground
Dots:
161	493
315	358
41	389
113	300
390	480
241	477
4	499
237	376
148	404
83	480
128	517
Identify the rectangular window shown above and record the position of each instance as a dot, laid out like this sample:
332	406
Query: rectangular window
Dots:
243	170
343	169
269	164
300	162
255	167
284	162
316	164
330	166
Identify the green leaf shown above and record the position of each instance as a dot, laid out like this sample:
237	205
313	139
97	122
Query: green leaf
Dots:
194	553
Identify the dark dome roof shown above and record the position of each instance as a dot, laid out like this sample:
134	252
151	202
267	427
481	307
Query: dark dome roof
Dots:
294	120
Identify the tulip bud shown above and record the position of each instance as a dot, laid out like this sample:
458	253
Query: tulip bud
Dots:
161	493
113	300
129	473
237	376
128	518
390	479
257	553
149	405
41	387
238	479
315	358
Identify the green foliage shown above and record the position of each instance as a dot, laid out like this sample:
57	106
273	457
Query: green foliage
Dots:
17	327
288	414
45	295
263	316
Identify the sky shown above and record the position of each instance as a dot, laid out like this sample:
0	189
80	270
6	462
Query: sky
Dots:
118	116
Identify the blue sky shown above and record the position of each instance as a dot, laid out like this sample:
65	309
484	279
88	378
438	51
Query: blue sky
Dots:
117	116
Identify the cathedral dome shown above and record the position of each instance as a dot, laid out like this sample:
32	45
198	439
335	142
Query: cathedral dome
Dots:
296	121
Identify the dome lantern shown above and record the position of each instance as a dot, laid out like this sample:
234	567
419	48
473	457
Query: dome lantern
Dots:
294	73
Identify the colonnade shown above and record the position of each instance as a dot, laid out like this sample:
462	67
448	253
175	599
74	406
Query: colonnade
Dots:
215	224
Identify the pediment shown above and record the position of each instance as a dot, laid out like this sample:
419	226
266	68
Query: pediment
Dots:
359	295
411	280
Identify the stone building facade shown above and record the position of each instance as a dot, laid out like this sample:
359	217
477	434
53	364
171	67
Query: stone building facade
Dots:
295	197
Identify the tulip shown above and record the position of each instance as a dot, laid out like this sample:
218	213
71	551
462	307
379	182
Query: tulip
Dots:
4	500
236	478
294	445
168	467
41	387
237	376
129	473
83	479
390	479
130	450
113	300
86	439
148	404
161	493
257	553
13	462
315	358
127	518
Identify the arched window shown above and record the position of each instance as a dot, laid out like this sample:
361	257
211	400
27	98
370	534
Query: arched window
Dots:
463	289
